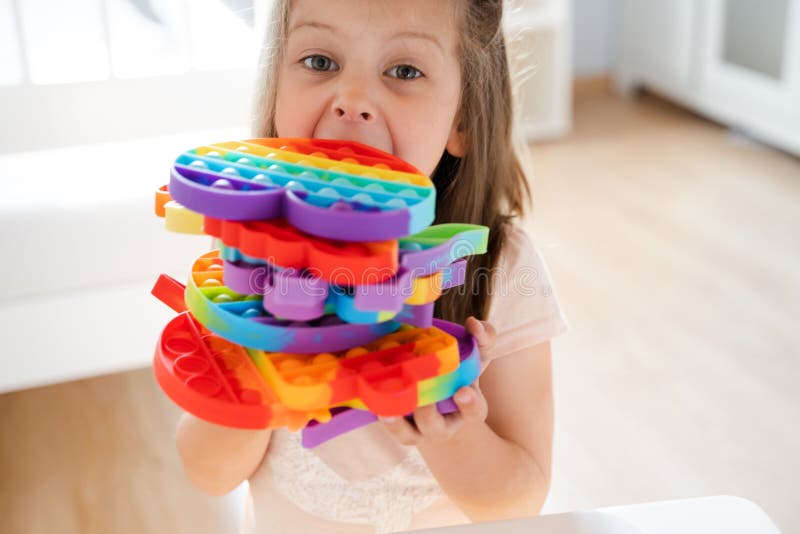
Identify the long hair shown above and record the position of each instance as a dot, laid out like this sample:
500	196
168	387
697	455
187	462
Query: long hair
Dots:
487	186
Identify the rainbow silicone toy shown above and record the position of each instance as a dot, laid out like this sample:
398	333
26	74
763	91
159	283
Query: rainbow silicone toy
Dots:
320	192
317	311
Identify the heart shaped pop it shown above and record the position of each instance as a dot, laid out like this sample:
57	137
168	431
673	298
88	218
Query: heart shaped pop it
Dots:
334	198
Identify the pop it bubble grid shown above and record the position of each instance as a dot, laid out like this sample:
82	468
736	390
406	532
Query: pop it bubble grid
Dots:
243	320
344	152
217	381
362	160
327	198
381	376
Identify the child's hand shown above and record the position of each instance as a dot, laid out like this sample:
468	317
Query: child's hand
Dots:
429	424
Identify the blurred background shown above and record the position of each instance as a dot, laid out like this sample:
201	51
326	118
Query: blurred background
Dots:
665	139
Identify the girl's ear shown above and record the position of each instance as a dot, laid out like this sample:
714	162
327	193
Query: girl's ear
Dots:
455	142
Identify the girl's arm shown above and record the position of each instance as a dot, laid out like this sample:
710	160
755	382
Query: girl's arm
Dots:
500	468
493	460
216	458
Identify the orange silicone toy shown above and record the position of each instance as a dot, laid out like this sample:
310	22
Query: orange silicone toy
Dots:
279	243
381	376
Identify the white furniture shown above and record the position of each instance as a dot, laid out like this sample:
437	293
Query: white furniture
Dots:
735	61
708	515
539	36
81	250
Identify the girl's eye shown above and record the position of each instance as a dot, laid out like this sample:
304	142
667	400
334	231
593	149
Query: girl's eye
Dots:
320	63
405	72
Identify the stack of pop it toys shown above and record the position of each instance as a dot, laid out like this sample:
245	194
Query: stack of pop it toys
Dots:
316	312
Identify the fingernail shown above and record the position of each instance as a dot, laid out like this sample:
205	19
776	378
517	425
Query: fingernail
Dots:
389	419
464	397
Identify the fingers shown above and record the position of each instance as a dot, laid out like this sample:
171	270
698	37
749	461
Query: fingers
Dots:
482	331
471	404
401	430
429	424
433	426
484	334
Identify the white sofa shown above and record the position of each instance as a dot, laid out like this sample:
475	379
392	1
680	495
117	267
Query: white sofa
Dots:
81	250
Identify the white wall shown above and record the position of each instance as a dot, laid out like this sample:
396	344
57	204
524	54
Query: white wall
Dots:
594	36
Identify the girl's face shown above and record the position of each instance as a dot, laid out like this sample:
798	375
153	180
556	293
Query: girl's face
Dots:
384	73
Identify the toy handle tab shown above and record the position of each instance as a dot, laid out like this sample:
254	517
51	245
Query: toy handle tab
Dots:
346	420
170	292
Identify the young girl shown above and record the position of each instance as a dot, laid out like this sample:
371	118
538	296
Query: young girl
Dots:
427	81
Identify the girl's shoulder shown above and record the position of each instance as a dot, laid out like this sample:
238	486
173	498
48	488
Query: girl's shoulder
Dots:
525	309
521	258
518	247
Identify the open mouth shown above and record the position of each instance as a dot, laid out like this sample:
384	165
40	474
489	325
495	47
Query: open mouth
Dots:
383	145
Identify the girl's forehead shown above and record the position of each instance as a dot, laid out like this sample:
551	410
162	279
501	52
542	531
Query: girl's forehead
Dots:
433	18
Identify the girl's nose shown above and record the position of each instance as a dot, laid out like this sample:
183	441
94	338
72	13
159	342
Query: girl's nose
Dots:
353	105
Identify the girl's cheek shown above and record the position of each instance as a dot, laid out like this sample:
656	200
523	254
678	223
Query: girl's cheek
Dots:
291	114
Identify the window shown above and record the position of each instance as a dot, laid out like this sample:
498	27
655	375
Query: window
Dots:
93	70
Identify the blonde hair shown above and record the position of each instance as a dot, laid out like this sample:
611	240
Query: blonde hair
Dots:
488	185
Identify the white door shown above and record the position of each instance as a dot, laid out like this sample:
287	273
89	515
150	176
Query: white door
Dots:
751	59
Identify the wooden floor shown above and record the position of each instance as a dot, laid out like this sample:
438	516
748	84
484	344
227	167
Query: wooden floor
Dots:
674	246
